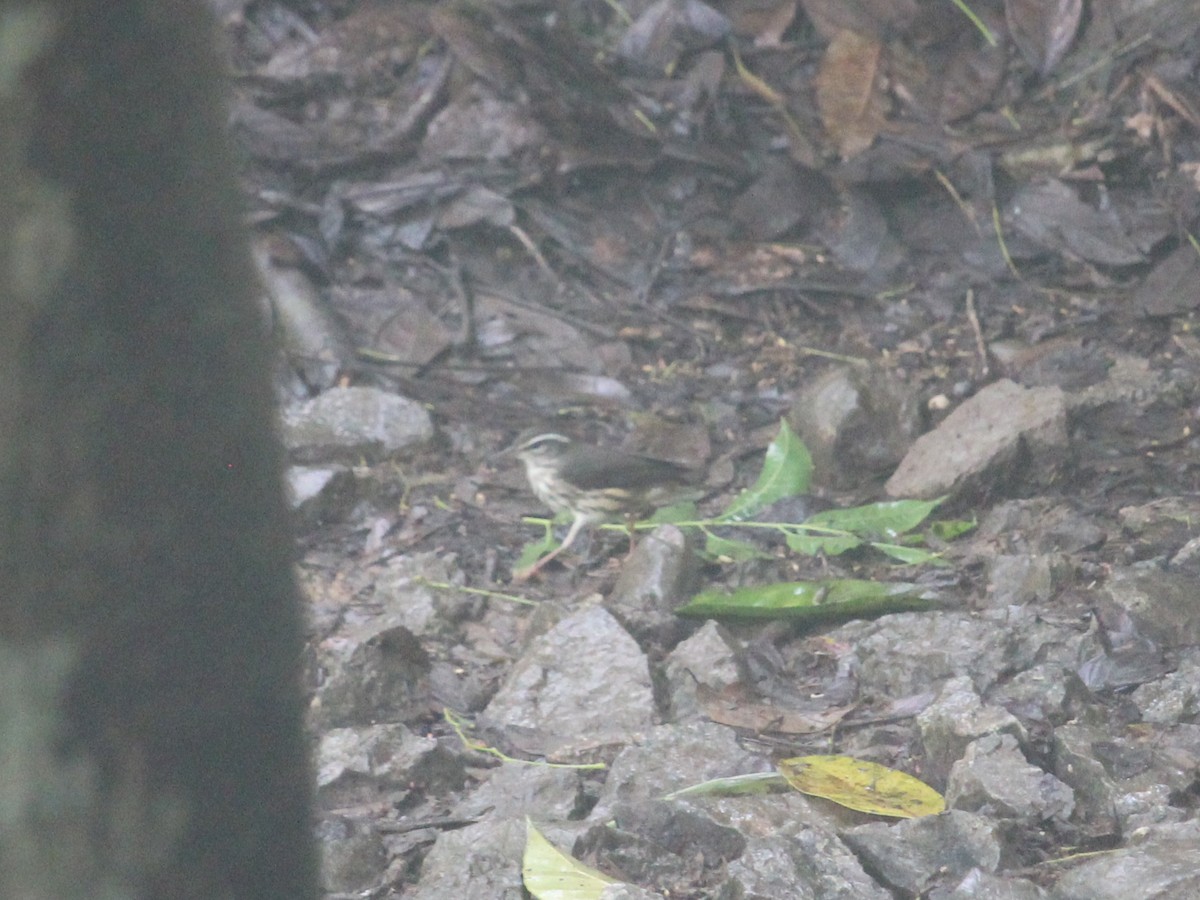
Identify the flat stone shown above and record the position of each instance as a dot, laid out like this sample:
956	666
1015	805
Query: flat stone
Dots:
585	679
981	443
352	424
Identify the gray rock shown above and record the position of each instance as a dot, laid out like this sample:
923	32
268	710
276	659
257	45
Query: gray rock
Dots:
855	422
583	680
773	867
1131	382
402	595
1143	808
712	658
671	757
956	718
907	653
353	855
321	494
1118	655
682	829
1019	578
657	578
911	855
627	892
361	765
1135	763
1039	525
642	859
514	791
1039	693
1160	862
372	672
1076	765
983	441
1165	522
1162	604
792	850
352	424
768	846
1187	558
980	885
1097	791
481	860
993	777
1172	698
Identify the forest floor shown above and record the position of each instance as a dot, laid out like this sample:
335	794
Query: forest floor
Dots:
956	254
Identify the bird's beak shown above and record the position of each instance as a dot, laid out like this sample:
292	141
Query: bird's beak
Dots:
505	454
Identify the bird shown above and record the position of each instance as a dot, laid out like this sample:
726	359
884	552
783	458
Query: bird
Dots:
596	485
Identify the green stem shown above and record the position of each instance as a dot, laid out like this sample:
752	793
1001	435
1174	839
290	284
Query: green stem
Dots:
976	21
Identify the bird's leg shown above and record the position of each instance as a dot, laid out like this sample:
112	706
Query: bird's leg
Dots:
572	533
630	520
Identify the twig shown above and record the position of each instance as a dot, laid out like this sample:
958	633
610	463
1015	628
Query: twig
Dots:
980	343
532	249
962	204
826	354
482	592
1008	260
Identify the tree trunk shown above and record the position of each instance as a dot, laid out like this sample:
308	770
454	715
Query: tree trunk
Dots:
150	705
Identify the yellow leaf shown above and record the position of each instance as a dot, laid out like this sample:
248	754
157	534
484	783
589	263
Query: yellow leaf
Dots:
550	874
865	786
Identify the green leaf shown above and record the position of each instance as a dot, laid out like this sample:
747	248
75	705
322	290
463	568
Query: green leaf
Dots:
810	601
812	543
676	512
535	550
734	786
717	547
913	556
550	874
949	529
885	520
786	472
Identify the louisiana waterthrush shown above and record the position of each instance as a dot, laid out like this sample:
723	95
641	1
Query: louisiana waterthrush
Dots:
596	485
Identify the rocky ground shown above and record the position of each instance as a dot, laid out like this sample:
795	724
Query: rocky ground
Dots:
955	253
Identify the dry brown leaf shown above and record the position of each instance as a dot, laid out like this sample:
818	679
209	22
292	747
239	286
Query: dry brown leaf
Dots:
868	17
731	707
853	106
765	20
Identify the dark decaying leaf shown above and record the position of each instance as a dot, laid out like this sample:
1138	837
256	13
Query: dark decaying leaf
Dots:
784	197
668	29
1173	286
736	708
1050	213
578	101
475	205
1043	30
973	72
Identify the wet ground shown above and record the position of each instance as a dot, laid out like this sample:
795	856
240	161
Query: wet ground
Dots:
955	268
